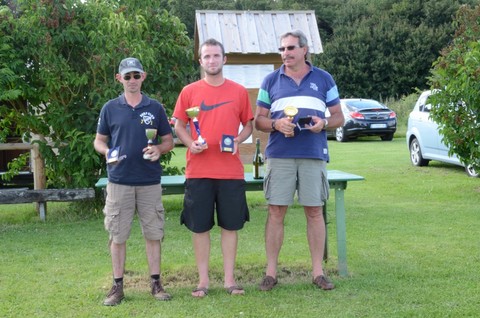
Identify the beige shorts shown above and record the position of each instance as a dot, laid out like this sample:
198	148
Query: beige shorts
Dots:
306	177
120	205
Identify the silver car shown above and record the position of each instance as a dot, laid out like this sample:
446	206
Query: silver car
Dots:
424	140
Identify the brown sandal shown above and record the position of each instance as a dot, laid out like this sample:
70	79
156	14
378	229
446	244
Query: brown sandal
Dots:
235	290
204	291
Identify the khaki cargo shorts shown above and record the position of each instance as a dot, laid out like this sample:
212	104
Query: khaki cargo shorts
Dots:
306	177
120	205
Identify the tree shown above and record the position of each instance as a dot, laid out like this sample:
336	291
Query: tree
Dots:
59	58
456	76
185	9
375	49
386	48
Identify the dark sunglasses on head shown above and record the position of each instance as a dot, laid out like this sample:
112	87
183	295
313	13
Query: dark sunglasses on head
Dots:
288	48
128	77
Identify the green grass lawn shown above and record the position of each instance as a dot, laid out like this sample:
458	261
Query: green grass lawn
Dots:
413	249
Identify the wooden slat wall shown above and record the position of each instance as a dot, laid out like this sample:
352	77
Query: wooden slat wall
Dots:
255	32
229	25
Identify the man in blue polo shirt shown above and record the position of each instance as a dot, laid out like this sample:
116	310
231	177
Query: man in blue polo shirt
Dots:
134	173
297	150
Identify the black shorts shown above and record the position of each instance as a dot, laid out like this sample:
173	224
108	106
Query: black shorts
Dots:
204	196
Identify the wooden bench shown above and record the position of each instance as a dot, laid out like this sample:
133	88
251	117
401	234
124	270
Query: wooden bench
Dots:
337	179
16	196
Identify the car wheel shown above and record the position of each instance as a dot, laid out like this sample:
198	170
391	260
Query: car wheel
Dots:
340	135
387	137
416	154
471	171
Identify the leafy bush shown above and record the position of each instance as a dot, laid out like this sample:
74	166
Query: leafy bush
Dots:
457	76
59	60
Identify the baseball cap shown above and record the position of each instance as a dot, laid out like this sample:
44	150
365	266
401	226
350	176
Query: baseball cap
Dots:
130	64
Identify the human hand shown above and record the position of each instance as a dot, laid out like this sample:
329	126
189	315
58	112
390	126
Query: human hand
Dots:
151	153
197	147
285	126
319	124
235	146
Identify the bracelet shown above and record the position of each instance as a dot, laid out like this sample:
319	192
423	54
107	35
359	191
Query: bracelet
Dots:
273	125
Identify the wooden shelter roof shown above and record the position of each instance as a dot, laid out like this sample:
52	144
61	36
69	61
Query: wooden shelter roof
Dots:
254	32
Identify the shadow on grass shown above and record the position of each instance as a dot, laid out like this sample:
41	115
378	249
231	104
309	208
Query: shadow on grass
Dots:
246	275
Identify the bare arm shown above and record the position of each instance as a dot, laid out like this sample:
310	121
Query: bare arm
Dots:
262	120
101	144
167	144
243	135
336	117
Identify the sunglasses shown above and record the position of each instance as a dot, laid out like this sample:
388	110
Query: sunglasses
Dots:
288	48
128	77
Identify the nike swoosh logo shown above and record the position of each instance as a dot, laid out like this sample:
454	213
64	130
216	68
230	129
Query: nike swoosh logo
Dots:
207	107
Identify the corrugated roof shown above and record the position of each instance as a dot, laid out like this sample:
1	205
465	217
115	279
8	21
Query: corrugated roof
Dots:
258	32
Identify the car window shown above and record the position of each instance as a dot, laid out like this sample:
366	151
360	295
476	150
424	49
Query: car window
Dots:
427	108
362	104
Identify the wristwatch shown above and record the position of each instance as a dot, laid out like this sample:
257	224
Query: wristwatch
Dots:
325	125
273	125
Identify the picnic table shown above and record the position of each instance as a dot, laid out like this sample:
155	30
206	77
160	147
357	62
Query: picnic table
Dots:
337	179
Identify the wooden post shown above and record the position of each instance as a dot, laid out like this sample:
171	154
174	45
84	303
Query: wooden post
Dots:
39	179
38	167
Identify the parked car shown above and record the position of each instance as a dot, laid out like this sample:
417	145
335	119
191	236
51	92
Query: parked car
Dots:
424	140
365	117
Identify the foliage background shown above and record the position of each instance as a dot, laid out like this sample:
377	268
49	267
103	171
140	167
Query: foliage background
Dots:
58	60
376	49
456	75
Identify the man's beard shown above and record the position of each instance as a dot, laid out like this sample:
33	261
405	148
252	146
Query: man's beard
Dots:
216	72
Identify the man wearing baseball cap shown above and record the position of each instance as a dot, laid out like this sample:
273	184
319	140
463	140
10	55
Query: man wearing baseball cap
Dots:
134	173
130	64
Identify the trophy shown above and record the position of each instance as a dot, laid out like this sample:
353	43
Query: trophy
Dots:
151	133
227	143
113	155
290	112
192	113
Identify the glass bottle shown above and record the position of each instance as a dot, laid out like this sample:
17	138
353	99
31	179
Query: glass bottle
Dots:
258	169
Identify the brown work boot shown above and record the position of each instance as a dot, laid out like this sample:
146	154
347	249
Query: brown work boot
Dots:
323	283
158	292
115	295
